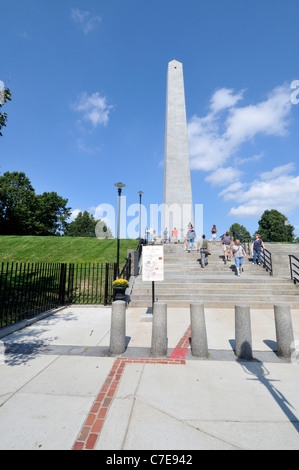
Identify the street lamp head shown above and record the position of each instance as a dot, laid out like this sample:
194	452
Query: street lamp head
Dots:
120	185
140	192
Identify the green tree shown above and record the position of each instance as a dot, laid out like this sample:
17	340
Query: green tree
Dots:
3	116
51	214
17	197
83	226
241	232
272	227
22	212
102	231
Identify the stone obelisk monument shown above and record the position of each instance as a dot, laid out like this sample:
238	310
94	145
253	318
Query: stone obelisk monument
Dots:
178	205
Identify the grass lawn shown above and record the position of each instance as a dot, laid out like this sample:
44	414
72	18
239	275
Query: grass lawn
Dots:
62	249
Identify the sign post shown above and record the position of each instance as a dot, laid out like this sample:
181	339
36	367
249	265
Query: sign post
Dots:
153	266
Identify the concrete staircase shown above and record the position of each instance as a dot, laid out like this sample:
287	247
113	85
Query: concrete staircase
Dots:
217	285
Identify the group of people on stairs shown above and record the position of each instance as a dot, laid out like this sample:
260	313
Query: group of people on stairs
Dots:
230	248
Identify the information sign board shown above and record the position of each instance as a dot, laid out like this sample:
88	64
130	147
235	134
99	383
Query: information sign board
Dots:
153	263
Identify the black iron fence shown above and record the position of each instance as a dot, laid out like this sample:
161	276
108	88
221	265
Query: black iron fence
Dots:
87	283
266	257
28	289
294	268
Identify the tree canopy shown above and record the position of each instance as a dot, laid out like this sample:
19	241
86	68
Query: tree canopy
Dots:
272	227
3	116
85	225
23	212
241	232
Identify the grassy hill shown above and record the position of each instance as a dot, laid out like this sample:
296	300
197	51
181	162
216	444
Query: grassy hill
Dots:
62	249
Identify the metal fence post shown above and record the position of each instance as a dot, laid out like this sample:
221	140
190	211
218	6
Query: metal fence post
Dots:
70	283
61	296
106	284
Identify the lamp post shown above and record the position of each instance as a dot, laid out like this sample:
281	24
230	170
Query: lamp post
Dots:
140	196
119	187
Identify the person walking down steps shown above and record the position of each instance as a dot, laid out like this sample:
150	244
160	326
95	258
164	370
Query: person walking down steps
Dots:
191	235
238	252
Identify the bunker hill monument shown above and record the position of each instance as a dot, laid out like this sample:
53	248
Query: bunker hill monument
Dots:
177	202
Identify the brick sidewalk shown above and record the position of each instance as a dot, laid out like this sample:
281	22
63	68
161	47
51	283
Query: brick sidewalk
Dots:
92	427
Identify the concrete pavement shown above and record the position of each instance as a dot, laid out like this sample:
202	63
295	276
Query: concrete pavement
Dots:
60	389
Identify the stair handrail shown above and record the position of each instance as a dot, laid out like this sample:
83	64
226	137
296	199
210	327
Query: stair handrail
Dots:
293	268
266	254
142	242
267	260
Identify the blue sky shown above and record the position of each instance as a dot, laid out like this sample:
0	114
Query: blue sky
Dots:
88	80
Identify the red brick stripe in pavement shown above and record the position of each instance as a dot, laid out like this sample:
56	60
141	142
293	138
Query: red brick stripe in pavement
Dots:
94	422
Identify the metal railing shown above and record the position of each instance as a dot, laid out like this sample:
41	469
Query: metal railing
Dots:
126	270
266	257
88	283
294	268
142	242
28	289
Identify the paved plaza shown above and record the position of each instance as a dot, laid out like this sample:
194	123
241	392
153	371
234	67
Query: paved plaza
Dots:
60	388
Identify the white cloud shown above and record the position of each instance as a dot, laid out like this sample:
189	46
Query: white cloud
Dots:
254	158
212	142
278	171
224	98
93	108
208	148
85	20
224	176
74	214
231	189
215	142
278	189
269	117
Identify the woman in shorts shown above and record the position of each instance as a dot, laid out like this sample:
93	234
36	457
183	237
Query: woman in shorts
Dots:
214	231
